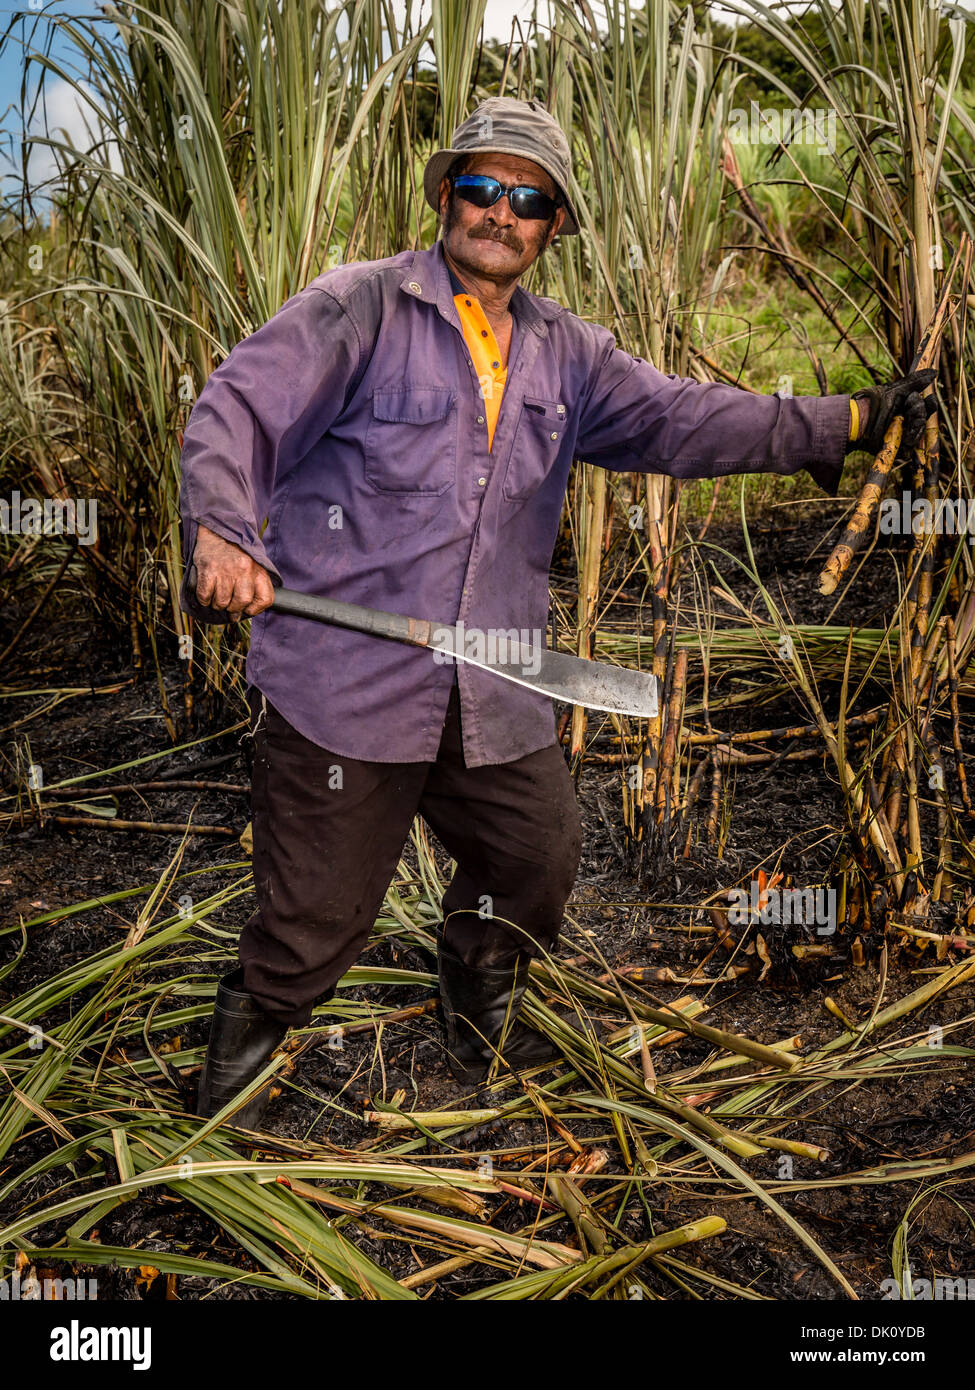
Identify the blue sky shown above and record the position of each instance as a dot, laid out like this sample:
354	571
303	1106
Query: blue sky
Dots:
37	29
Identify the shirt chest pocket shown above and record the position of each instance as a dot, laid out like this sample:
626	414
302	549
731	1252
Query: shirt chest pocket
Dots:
539	438
411	440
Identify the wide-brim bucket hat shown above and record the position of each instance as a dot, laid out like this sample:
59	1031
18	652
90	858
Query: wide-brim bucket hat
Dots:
508	125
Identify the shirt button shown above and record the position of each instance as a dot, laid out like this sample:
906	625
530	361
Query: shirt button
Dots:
480	419
555	436
482	482
414	287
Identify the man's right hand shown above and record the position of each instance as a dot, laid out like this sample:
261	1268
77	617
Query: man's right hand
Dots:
227	578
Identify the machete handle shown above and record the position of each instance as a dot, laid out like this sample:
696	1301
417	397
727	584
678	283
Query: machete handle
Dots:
415	632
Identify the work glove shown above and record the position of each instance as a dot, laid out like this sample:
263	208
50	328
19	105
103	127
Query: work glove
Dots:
878	405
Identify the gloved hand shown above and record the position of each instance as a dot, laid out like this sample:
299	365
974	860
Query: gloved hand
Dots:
878	406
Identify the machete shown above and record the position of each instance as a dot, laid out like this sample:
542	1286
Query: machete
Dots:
572	679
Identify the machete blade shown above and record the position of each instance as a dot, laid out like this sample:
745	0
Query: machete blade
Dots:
572	679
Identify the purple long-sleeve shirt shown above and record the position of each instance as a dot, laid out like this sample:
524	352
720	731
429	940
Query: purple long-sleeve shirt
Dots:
352	422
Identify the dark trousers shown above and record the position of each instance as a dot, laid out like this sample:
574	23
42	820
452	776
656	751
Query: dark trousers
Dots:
329	832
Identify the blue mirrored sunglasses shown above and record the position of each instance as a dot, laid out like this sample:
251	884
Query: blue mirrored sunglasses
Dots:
525	202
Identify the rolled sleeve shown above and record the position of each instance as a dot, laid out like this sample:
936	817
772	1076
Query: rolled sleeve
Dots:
259	413
636	418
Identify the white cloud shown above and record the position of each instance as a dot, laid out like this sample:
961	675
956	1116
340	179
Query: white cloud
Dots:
500	14
67	116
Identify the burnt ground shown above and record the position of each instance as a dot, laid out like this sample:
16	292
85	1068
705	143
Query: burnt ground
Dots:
634	923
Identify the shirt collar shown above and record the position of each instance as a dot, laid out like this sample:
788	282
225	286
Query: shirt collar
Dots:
430	278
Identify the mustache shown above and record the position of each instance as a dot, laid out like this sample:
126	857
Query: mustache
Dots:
496	234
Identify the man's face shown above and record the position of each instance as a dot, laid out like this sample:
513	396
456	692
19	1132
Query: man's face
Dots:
492	242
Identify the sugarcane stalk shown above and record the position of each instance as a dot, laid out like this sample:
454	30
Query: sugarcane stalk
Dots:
792	731
794	1146
588	1227
675	788
915	860
890	733
715	811
924	554
872	491
895	782
927	682
659	776
428	1119
896	759
867	502
547	1254
675	708
146	827
729	1042
175	784
690	800
657	495
953	706
628	791
594	510
671	802
942	848
728	757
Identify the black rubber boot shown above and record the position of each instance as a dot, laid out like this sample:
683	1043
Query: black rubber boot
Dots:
475	1005
242	1038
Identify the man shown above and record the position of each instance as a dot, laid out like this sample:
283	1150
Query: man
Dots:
399	435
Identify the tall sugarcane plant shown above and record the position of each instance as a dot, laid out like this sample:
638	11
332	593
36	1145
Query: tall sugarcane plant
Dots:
649	204
240	152
889	75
